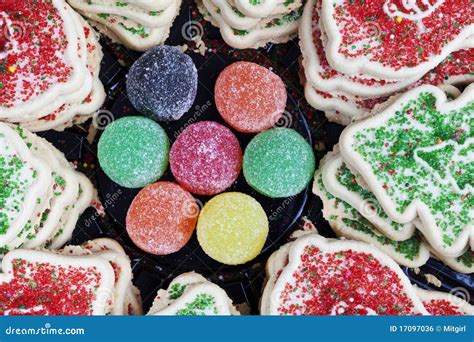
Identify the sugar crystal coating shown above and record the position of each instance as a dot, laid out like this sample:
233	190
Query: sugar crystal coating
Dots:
232	228
162	83
162	218
250	97
133	151
278	163
206	158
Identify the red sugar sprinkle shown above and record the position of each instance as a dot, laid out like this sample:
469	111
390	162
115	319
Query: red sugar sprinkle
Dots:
328	72
36	51
442	307
396	42
42	288
343	283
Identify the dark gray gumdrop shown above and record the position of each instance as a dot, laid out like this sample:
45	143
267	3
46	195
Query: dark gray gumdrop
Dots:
162	83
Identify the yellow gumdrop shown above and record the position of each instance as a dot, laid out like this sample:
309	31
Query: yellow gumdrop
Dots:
232	228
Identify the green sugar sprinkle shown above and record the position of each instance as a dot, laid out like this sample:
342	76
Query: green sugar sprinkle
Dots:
421	153
352	220
16	179
176	290
467	259
202	305
347	179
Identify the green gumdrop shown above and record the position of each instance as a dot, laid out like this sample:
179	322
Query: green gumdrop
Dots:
278	163
134	151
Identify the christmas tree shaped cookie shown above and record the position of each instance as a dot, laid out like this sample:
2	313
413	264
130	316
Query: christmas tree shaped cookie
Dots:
417	158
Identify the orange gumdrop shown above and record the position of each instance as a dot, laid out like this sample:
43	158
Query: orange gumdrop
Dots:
162	218
250	97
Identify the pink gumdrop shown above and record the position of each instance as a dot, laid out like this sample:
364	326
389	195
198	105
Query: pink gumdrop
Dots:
206	158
